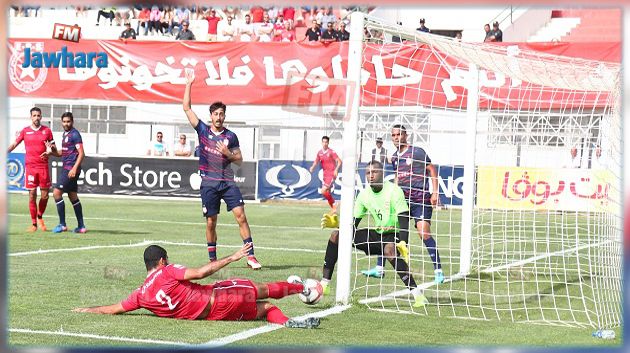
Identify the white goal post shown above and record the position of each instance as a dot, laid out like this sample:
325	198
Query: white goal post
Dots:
526	232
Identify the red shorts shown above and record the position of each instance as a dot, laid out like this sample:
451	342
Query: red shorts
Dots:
328	180
234	300
36	176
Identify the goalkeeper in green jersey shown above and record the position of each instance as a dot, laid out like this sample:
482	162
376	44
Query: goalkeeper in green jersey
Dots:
385	203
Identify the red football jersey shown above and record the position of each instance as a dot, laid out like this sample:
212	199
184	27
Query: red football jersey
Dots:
328	159
34	143
166	293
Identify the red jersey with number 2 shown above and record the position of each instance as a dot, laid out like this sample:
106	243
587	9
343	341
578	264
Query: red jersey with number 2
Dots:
165	293
34	143
328	159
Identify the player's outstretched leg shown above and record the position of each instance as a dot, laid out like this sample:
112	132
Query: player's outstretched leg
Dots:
272	313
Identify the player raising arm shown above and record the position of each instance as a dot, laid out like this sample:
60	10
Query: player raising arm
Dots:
385	203
218	148
35	137
330	166
168	292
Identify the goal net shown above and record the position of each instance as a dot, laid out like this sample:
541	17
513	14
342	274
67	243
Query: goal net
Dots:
527	147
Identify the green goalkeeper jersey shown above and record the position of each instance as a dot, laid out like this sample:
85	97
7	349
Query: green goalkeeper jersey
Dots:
383	206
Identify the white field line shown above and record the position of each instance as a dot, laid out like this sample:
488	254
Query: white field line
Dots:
178	222
270	327
149	242
98	337
406	291
459	276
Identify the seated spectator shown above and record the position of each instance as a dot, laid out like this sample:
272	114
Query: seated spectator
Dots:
329	35
155	20
213	23
123	14
327	18
313	34
285	34
107	13
497	34
128	33
278	28
273	12
422	27
181	14
458	36
342	34
185	33
246	30
489	37
80	11
227	30
182	149
157	147
265	30
143	20
167	19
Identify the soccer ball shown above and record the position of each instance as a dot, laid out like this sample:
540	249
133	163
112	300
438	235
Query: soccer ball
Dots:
316	292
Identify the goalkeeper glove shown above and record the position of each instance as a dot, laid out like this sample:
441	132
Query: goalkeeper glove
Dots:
330	221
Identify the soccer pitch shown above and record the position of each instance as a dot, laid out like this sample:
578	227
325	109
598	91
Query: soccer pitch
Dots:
105	265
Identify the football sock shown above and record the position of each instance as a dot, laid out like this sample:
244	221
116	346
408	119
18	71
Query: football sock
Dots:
42	207
61	210
249	240
32	207
328	196
402	269
275	316
330	259
432	250
212	251
279	290
379	262
78	211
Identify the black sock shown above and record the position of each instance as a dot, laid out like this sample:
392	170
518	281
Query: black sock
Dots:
78	211
330	260
61	210
402	269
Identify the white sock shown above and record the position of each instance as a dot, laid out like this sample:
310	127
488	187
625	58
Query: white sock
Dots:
380	268
324	282
439	270
417	292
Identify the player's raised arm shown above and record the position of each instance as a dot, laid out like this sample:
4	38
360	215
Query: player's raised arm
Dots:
214	266
113	309
192	117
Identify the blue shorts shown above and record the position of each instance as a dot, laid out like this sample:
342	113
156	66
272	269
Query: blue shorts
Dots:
421	211
211	197
67	184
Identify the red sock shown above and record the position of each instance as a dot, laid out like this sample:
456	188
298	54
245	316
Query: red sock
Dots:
42	207
329	197
32	207
275	316
279	290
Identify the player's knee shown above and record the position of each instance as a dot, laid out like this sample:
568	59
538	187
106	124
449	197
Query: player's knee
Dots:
389	251
334	237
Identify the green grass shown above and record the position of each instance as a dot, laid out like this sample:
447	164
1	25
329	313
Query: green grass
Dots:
43	288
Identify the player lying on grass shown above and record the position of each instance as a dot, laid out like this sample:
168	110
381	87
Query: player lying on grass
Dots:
385	202
169	292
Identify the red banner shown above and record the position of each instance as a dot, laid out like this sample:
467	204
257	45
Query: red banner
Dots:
279	74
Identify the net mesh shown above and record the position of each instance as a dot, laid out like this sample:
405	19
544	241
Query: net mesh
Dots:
546	228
